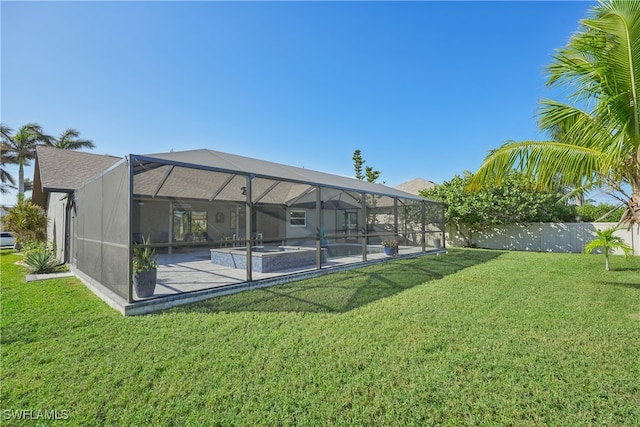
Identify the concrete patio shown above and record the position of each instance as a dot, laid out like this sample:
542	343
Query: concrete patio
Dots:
193	271
190	277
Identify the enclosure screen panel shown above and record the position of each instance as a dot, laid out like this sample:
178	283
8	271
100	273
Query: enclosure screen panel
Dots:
102	230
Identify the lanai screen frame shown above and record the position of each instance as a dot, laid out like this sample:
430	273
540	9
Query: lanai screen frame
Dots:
401	202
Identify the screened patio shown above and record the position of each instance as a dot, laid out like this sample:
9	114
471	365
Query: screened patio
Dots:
217	220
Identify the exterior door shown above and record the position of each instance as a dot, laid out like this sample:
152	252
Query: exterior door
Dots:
350	224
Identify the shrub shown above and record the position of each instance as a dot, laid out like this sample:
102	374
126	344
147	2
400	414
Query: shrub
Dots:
604	212
27	221
41	259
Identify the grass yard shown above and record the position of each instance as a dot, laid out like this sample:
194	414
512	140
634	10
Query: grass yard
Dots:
468	338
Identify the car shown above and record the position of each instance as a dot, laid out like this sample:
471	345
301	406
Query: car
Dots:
7	239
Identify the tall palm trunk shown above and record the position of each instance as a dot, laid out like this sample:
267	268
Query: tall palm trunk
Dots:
20	177
632	214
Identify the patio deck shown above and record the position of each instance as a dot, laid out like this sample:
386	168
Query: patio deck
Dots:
193	271
185	278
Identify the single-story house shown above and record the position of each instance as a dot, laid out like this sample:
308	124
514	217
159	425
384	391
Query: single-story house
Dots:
218	221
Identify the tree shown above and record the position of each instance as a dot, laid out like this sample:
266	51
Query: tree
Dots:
514	201
603	212
608	243
70	140
595	136
371	176
28	184
369	173
21	147
358	161
27	221
7	181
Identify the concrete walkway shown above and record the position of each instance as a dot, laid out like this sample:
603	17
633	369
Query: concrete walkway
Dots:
35	277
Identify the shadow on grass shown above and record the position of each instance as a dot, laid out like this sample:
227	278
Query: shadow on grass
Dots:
621	284
343	291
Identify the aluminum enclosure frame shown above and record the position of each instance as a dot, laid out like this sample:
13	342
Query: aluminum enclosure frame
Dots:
113	209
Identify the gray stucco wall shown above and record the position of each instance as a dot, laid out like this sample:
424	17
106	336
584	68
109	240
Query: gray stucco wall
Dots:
56	212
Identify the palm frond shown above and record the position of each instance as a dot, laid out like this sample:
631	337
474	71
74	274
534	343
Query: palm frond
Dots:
548	163
70	140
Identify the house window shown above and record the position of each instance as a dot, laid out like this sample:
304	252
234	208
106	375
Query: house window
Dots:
298	218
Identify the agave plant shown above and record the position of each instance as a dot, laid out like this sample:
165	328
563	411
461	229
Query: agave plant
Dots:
41	259
144	258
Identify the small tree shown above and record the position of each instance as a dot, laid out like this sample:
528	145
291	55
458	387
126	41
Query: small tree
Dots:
27	221
358	161
609	243
369	173
372	176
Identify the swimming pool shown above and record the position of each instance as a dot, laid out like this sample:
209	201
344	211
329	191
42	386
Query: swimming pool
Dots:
266	259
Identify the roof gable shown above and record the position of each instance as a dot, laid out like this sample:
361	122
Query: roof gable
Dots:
64	171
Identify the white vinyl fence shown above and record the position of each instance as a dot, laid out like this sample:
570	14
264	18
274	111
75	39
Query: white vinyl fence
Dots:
544	237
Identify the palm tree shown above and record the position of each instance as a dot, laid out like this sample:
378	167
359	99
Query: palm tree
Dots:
21	147
28	184
609	243
69	140
596	134
7	181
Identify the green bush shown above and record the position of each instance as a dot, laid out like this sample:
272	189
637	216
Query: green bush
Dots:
27	221
604	212
41	259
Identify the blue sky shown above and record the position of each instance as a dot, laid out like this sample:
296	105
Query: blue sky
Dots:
424	89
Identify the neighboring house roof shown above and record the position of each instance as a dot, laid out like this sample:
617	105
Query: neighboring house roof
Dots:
217	160
64	171
416	185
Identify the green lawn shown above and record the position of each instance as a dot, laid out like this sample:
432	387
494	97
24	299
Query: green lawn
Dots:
468	338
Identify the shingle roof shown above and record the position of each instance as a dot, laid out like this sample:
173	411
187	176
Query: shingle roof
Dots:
64	171
416	185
